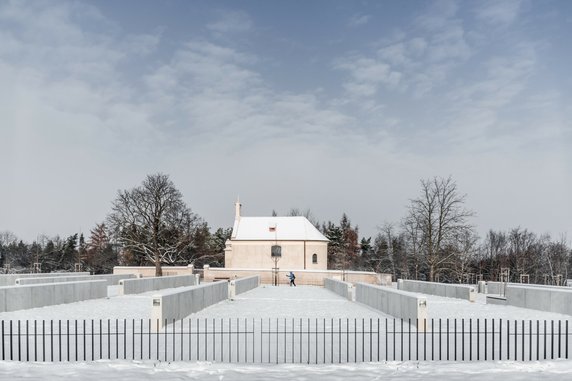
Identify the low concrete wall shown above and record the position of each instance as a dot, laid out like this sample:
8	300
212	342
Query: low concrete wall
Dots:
458	291
238	286
14	298
181	302
111	280
496	287
540	298
138	286
303	277
344	289
149	271
401	304
10	279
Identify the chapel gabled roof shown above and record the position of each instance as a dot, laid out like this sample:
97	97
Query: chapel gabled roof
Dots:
296	228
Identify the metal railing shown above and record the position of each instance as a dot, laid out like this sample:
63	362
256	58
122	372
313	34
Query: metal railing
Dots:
290	340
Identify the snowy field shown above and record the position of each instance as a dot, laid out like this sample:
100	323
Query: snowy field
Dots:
270	325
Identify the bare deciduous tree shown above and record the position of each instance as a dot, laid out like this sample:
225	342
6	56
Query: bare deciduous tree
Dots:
437	222
153	220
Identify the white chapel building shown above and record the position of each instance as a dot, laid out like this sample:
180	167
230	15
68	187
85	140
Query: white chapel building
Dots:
303	247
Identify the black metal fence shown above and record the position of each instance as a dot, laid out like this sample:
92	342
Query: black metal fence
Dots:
315	341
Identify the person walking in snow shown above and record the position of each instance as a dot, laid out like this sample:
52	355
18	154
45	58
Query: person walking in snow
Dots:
291	276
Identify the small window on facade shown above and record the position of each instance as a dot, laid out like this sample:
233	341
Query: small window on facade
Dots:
314	258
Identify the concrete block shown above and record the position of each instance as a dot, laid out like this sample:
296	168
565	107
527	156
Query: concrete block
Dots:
18	298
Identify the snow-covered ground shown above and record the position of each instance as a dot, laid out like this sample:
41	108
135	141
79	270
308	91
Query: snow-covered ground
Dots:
281	324
206	371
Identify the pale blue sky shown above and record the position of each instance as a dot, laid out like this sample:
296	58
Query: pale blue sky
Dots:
336	106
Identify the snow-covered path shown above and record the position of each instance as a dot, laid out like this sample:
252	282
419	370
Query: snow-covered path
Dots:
289	302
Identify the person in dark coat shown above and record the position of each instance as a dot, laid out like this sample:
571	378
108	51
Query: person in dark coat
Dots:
291	276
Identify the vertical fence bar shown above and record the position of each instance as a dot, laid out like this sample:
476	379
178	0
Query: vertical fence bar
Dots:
347	340
59	338
20	344
551	339
92	344
507	339
51	339
530	340
559	338
522	332
28	344
43	339
447	339
355	340
165	340
566	339
544	334
470	339
500	339
463	339
75	336
486	347
3	354
440	346
140	340
493	340
409	339
394	333
378	334
68	338
401	333
515	340
424	339
92	341
11	343
386	340
108	339
432	339
455	339
331	340
125	339
478	340
35	340
537	340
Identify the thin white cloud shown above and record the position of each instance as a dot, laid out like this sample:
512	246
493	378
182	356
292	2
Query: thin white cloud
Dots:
499	13
231	21
358	20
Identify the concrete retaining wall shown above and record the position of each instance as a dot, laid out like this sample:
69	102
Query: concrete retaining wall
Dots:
496	287
344	289
401	304
181	302
10	279
111	279
303	277
149	271
138	286
13	298
540	298
458	291
238	286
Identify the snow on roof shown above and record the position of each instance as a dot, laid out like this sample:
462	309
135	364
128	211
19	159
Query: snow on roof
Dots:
275	228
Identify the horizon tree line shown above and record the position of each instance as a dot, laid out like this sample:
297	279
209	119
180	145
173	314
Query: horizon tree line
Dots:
152	225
